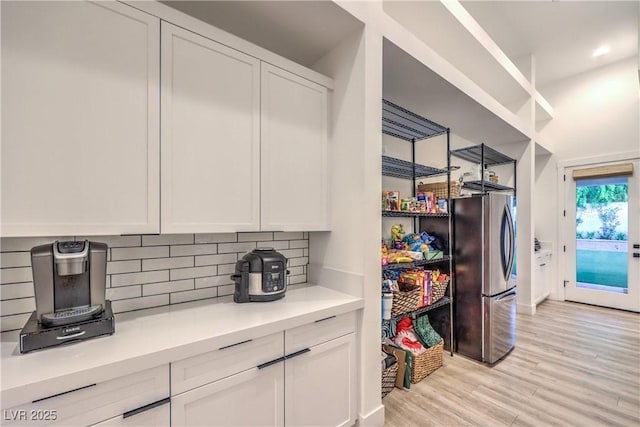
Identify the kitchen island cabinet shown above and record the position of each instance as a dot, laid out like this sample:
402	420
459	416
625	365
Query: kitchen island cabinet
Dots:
80	119
196	341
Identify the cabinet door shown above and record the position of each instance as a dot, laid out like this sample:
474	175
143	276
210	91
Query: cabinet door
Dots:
293	152
250	398
80	119
320	385
158	416
210	135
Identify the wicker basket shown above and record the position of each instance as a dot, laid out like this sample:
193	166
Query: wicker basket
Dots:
438	289
389	379
404	302
426	363
440	189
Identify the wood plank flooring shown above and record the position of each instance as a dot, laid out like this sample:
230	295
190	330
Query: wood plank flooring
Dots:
573	365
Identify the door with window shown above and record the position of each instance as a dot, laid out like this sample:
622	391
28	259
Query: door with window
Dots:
602	226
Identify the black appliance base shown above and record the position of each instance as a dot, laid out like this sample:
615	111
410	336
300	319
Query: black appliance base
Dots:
36	337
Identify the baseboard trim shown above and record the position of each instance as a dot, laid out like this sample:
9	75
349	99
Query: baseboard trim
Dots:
374	418
526	309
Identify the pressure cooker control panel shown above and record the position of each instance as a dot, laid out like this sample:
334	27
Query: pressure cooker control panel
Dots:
273	277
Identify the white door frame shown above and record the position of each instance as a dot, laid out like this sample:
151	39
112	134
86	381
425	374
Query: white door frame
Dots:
558	287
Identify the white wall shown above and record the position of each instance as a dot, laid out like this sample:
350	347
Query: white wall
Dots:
348	258
597	114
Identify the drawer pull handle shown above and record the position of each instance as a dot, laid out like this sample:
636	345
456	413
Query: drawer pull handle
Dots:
144	408
326	318
297	353
542	265
233	345
272	362
66	337
60	394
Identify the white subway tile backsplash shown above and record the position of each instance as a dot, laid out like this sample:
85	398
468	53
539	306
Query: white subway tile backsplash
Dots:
167	239
215	259
15	275
114	241
294	262
124	292
116	267
166	287
216	238
207	282
15	259
293	244
252	237
167	263
17	244
139	278
287	235
16	290
194	250
13	322
226	269
145	271
139	303
292	253
194	295
275	244
297	279
190	273
226	290
17	306
139	253
244	247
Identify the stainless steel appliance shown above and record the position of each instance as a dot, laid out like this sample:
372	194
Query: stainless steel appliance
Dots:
261	275
69	280
485	282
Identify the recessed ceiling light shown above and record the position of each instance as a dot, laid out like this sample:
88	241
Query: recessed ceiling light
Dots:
602	50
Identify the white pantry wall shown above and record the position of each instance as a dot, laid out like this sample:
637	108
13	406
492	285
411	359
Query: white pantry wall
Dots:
597	114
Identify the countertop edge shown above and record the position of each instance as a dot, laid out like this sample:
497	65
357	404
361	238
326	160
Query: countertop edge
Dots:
19	393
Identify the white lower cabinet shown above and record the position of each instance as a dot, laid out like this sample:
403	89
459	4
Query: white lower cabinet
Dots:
320	384
250	398
94	402
304	376
157	415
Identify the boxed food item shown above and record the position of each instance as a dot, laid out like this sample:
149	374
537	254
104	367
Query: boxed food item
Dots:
391	200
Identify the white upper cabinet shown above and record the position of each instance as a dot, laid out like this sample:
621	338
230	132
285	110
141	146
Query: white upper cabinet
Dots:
80	119
293	152
210	135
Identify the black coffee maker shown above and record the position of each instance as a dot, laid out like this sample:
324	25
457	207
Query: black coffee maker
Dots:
69	280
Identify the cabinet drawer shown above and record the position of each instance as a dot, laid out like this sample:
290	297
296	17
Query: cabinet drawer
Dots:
319	331
94	402
195	371
158	416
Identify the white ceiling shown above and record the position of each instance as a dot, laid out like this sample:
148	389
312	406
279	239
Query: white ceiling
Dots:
302	31
560	34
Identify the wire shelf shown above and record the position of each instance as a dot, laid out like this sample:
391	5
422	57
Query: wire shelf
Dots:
488	186
414	264
414	214
445	300
403	124
474	155
402	169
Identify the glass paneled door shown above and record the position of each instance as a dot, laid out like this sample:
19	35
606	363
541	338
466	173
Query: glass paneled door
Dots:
602	226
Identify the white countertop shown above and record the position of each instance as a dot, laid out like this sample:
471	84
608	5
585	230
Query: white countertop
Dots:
149	338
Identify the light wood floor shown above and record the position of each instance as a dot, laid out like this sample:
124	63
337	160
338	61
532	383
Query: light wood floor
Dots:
573	365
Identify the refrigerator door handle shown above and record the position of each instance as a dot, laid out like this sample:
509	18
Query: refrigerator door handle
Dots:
507	297
512	242
505	243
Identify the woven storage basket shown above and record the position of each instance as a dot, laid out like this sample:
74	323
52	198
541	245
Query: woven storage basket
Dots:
389	379
440	189
426	363
404	302
438	289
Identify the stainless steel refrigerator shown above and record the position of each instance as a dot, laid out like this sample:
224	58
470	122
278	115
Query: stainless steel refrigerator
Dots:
485	282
